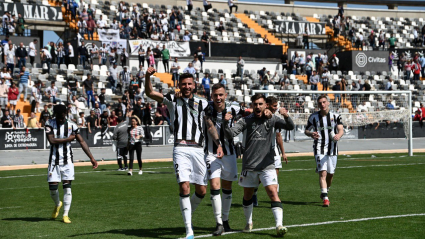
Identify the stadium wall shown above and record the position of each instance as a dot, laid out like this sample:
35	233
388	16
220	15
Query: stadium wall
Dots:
302	10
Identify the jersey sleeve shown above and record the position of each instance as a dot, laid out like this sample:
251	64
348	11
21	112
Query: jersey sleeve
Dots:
168	100
339	120
309	123
48	127
75	129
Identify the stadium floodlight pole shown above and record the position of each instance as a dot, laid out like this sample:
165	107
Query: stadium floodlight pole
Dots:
310	92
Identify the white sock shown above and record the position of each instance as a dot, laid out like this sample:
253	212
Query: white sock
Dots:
186	209
328	189
55	196
195	201
67	198
278	215
325	191
226	200
247	210
277	187
216	205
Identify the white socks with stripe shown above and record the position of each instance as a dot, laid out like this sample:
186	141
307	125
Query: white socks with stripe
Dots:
55	196
247	210
216	205
195	200
277	213
186	209
226	200
67	198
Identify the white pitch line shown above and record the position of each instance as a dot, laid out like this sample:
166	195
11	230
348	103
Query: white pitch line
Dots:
9	207
323	223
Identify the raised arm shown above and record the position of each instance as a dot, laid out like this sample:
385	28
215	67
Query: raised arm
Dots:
235	130
149	89
287	124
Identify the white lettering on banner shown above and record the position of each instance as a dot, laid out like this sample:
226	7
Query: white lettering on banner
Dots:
44	13
362	59
33	11
293	27
376	59
177	49
98	136
28	11
157	134
19	137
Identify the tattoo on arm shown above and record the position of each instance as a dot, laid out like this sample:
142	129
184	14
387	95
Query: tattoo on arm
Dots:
212	130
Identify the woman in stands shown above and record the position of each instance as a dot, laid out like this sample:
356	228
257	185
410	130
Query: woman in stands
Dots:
135	136
60	52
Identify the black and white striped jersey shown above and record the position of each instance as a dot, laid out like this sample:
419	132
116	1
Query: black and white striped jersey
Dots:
187	119
274	145
324	125
61	154
217	118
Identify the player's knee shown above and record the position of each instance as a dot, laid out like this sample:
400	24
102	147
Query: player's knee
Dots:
215	184
247	202
53	187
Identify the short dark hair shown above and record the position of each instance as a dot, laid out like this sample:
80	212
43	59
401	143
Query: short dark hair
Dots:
185	76
59	109
120	119
322	97
271	100
258	96
217	86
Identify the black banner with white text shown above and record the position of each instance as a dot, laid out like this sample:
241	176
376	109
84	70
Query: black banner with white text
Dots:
32	11
292	27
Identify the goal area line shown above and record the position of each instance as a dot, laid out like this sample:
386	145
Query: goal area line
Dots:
323	223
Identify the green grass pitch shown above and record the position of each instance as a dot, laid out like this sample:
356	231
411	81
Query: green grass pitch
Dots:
110	204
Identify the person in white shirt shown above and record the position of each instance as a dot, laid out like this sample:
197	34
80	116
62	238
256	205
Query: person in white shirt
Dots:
82	27
325	79
155	36
232	5
114	25
52	92
164	24
362	107
32	51
46	58
9	57
103	54
175	67
101	23
197	66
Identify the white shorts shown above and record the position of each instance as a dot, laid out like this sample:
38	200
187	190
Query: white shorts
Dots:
277	162
13	102
59	173
3	101
189	164
224	168
325	163
251	179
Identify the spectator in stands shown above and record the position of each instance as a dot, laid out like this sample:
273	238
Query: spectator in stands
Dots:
85	15
91	25
366	87
33	122
416	70
6	76
101	23
44	116
371	39
197	65
381	39
240	67
32	51
334	63
265	81
20	25
206	82
88	88
284	61
389	105
175	67
60	52
81	121
354	87
325	79
359	41
266	40
113	119
125	77
103	54
155	36
337	87
4	90
24	78
93	54
147	119
179	19
92	121
190	69
158	119
18	120
82	27
7	120
205	39
422	63
46	58
388	85
165	58
142	54
223	81
319	63
189	6
362	107
309	68
70	54
200	56
187	35
22	55
408	69
12	97
9	57
301	64
418	117
5	23
314	80
35	96
157	55
390	62
232	5
82	54
305	38
207	5
123	57
392	42
163	111
51	93
102	99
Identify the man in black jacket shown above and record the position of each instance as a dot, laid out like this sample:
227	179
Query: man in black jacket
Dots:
82	54
157	55
22	55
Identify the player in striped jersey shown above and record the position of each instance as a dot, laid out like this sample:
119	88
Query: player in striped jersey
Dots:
225	168
326	129
60	132
187	117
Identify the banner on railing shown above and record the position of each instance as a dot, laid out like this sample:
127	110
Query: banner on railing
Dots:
21	139
108	35
292	27
32	11
177	49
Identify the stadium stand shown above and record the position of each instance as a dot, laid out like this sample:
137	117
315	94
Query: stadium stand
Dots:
243	27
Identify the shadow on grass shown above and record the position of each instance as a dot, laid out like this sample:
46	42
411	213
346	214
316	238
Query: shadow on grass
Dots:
302	203
174	232
28	219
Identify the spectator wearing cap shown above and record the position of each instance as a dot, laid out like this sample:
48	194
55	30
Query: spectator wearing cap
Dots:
18	120
88	88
